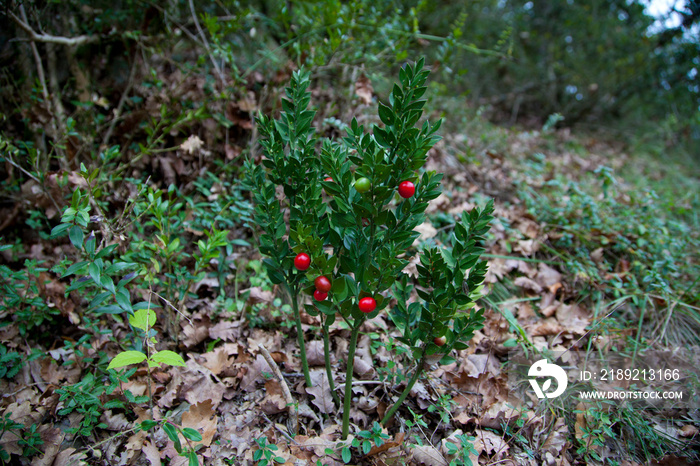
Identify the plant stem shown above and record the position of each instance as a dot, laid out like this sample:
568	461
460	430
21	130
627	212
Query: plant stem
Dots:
300	334
327	358
348	378
416	375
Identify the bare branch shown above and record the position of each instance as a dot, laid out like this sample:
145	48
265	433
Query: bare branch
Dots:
35	37
291	405
206	44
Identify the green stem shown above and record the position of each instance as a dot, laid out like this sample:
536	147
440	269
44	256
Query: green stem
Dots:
419	370
327	358
300	334
348	378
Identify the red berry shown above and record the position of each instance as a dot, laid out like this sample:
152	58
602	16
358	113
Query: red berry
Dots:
406	189
329	179
302	261
440	341
367	304
322	284
320	296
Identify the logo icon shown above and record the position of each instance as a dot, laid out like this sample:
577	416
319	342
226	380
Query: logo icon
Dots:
542	368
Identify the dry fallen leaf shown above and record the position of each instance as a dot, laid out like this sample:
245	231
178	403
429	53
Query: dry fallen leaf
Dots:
255	371
493	444
363	89
548	326
547	276
428	456
321	391
314	353
557	438
69	457
216	361
151	452
426	230
192	144
573	318
202	418
688	430
528	284
274	401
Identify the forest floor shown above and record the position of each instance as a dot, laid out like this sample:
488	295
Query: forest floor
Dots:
593	253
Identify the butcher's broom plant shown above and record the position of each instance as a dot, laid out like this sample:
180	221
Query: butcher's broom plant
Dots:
338	219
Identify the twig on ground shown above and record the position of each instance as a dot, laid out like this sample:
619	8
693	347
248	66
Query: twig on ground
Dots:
285	388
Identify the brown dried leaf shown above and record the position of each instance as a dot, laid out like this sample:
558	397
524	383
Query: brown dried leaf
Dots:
548	304
491	443
274	401
421	394
688	430
426	230
548	326
499	413
557	438
547	276
218	360
321	391
387	445
192	144
363	89
151	452
363	369
248	103
198	385
197	331
115	422
528	284
527	247
69	457
597	255
428	456
255	371
573	318
314	353
258	295
226	330
529	228
202	418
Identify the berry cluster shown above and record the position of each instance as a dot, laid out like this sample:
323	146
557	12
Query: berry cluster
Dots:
323	285
302	261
